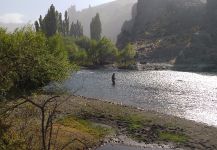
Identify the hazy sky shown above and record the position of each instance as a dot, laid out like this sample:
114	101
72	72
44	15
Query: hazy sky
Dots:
22	11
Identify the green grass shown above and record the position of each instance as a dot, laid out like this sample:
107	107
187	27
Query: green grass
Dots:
86	131
85	126
135	122
172	137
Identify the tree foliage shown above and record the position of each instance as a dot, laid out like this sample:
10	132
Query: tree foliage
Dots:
85	51
96	28
127	55
53	23
37	27
84	43
106	52
76	54
50	22
98	52
76	30
60	23
29	60
66	24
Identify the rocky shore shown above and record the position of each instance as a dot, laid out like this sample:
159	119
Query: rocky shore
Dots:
160	66
102	125
177	67
122	142
144	126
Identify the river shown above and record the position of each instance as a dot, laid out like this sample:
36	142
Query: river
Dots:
188	95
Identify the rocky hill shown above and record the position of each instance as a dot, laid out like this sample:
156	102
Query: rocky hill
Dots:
172	31
112	16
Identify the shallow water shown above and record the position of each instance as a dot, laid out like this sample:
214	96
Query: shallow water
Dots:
189	95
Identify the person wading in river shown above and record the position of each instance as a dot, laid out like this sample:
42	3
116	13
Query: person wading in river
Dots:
113	79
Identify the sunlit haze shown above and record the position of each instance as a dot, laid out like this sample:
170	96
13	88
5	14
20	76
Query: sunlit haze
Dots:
23	11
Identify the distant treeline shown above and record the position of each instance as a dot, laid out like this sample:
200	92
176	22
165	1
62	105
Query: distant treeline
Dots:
82	50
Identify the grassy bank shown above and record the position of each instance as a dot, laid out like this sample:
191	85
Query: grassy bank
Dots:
86	122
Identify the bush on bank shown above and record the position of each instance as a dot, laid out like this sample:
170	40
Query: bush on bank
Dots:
29	60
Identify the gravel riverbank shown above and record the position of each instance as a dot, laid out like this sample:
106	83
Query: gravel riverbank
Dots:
145	126
103	125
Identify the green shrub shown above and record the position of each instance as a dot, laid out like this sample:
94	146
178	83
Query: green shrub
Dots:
76	54
29	60
127	56
106	51
84	51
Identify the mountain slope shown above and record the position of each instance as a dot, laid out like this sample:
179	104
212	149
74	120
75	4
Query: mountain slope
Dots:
171	31
112	16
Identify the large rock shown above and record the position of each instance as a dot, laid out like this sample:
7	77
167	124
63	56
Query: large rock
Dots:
173	31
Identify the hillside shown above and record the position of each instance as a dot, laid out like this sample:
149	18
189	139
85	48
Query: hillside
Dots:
112	16
171	31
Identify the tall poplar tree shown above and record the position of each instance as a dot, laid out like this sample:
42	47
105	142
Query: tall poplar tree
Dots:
41	23
96	28
76	29
60	23
66	24
37	27
53	23
50	22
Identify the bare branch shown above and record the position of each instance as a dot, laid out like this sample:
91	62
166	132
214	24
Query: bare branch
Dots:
32	102
55	140
12	108
50	134
50	117
48	113
50	100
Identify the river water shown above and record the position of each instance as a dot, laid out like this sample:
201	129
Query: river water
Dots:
189	95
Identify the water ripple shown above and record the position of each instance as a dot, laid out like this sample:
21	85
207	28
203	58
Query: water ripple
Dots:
189	95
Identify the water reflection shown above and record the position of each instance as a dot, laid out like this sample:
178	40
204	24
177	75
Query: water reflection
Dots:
189	95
